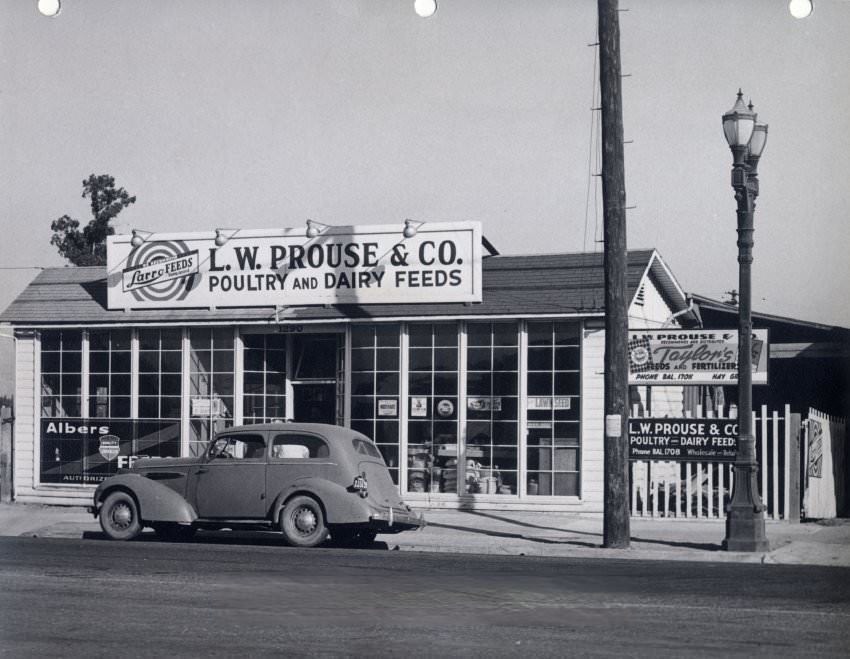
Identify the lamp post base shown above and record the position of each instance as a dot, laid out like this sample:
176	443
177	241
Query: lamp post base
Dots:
745	532
745	513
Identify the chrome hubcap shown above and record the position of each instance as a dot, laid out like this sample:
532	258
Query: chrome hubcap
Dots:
121	516
305	521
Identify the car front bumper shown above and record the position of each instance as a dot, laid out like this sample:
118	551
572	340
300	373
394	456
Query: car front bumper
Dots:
395	521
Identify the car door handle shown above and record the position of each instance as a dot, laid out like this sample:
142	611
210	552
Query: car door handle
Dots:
202	471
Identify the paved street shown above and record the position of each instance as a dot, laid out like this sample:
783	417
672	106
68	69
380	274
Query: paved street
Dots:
227	596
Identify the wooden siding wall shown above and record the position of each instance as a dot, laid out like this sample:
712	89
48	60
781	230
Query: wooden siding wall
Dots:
656	313
593	420
28	430
26	417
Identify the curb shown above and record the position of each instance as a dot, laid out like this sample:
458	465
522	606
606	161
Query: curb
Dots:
816	545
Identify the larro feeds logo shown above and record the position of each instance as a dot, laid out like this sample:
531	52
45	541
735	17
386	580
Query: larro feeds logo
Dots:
159	271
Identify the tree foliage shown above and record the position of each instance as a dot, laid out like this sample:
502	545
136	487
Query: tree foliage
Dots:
88	247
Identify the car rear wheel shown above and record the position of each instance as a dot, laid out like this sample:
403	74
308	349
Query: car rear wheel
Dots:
303	523
119	517
172	532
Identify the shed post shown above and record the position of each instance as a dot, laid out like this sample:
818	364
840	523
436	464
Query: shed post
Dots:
6	419
795	469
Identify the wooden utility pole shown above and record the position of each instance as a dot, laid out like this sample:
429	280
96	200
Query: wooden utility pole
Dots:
616	515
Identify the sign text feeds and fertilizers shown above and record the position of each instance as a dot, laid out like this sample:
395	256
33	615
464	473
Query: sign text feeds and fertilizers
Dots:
705	357
342	265
690	440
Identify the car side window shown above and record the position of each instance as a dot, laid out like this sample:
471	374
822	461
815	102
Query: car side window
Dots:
292	445
238	447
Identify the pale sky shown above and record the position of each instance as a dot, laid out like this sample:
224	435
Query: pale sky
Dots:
263	114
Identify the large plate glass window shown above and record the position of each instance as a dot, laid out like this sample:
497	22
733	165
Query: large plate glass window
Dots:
83	444
61	373
264	381
62	454
491	408
109	373
432	427
160	389
375	351
211	384
554	409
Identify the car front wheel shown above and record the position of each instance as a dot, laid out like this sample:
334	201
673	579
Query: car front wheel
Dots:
303	523
119	517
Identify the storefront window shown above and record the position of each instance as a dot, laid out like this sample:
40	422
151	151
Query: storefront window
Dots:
61	373
86	450
264	382
554	409
211	384
160	364
109	374
432	425
491	408
160	389
375	351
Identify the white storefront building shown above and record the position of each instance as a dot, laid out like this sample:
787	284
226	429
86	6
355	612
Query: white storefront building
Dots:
479	376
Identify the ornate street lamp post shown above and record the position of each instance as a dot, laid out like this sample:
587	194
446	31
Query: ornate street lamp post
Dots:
745	513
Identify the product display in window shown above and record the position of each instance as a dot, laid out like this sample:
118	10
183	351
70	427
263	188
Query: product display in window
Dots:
432	468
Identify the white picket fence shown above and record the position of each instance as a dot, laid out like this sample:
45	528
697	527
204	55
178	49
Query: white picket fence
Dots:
702	489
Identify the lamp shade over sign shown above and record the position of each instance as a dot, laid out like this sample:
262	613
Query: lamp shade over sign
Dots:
738	123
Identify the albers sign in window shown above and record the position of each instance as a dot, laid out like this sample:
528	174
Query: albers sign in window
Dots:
283	267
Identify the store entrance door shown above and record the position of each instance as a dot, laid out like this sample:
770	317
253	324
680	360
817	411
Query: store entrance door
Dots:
314	402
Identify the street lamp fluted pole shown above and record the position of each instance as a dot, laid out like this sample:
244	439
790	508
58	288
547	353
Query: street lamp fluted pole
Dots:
745	529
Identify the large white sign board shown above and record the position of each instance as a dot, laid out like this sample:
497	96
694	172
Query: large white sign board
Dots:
684	356
283	267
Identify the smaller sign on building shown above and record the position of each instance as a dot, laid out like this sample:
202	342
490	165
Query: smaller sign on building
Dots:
86	451
388	407
686	440
548	402
418	406
484	404
206	407
445	408
704	357
539	425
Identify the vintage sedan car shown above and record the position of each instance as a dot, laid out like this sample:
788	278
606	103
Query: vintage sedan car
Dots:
306	480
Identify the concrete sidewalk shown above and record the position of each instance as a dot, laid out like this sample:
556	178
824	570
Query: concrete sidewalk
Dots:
530	534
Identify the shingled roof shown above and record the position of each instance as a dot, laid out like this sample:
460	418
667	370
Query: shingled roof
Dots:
512	285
